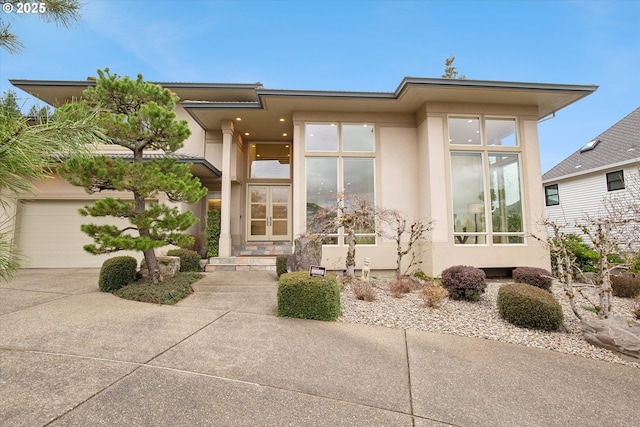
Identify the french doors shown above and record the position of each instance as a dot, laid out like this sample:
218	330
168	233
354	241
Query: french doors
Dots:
269	210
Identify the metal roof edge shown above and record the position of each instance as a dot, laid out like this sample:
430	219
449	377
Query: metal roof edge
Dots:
182	85
588	171
492	84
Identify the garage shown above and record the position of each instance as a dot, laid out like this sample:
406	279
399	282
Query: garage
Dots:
48	233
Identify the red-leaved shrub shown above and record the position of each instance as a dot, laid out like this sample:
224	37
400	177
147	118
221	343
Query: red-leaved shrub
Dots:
464	282
538	277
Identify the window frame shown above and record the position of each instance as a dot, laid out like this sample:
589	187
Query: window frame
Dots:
547	196
338	239
619	182
485	150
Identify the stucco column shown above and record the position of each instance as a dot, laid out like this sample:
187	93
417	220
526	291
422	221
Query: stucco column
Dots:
224	249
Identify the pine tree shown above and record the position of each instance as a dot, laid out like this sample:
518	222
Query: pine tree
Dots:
30	151
450	70
138	116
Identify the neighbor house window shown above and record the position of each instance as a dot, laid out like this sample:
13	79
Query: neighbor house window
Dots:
486	185
615	181
551	195
340	157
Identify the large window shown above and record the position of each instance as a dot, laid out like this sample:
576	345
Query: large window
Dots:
269	161
486	185
340	158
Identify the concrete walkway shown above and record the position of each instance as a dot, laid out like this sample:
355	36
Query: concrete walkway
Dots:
70	355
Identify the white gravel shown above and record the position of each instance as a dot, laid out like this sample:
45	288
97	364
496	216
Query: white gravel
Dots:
477	319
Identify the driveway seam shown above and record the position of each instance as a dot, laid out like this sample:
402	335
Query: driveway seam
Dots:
187	337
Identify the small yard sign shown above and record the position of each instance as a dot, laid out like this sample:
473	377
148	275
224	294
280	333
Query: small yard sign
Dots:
317	271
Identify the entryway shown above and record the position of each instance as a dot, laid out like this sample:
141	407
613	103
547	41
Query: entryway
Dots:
269	216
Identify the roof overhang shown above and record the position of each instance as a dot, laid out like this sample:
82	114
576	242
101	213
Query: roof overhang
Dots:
269	111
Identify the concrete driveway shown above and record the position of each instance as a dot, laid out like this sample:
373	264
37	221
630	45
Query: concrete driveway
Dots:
71	355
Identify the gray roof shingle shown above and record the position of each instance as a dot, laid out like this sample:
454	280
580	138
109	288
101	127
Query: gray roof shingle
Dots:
618	144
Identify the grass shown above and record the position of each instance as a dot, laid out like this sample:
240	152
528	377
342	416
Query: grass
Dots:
169	292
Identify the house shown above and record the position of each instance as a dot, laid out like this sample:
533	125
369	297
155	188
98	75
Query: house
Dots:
463	153
604	166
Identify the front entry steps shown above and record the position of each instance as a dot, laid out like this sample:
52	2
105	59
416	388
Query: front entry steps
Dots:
259	249
242	263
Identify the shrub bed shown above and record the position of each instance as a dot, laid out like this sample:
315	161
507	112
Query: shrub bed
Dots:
189	260
625	286
538	277
117	272
529	307
464	282
306	297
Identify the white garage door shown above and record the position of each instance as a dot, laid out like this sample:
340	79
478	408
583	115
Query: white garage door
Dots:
49	234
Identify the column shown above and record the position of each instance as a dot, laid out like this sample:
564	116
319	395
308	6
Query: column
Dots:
224	249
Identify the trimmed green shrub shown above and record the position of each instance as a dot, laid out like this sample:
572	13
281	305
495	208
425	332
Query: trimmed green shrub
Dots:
306	297
529	307
464	282
281	264
625	286
189	260
117	272
212	233
538	277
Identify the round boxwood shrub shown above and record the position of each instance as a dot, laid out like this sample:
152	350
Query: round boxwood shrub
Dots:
306	297
529	307
538	277
625	286
117	272
189	260
464	282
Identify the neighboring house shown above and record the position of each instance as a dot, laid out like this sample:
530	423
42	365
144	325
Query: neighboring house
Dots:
462	153
600	169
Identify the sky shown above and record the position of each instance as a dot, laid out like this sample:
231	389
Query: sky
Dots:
358	45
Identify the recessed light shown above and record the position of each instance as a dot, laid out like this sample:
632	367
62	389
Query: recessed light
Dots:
246	134
282	119
284	134
238	119
286	146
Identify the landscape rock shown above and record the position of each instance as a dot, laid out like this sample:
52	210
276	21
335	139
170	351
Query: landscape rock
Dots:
617	334
307	252
168	266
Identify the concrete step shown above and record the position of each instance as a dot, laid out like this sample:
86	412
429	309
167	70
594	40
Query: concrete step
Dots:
242	263
262	249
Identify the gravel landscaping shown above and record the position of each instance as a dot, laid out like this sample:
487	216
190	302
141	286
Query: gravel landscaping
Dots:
477	319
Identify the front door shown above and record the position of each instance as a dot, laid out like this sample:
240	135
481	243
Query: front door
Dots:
269	213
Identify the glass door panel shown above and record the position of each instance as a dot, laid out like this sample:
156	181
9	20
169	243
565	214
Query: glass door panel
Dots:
269	217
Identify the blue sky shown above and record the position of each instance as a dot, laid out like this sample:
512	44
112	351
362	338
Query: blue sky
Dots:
353	45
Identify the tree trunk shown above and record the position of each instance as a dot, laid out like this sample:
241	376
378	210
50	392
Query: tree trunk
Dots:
149	254
351	254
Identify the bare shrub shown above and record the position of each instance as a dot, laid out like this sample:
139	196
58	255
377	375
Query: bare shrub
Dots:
364	291
636	311
401	285
433	294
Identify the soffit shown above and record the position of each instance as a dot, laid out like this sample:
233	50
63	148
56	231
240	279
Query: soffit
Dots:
267	113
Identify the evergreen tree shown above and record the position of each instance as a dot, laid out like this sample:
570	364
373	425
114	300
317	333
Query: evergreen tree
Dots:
30	151
138	116
63	12
450	70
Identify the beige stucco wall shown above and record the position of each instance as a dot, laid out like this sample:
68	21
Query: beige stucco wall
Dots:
414	176
195	143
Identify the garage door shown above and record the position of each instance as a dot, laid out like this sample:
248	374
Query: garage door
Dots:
49	234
